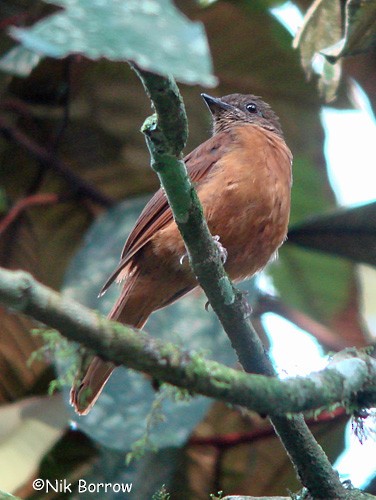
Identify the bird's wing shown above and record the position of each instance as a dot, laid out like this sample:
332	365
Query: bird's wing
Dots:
157	213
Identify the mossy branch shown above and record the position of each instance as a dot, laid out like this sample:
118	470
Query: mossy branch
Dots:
310	461
161	138
350	377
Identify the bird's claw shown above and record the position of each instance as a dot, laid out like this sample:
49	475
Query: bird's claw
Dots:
181	260
247	308
222	251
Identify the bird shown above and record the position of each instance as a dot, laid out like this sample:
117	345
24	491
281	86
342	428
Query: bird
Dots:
243	178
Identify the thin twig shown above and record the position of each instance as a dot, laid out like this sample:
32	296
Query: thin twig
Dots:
25	203
80	186
237	438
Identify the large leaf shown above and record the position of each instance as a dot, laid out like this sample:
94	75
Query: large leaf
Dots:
360	30
321	27
69	460
326	33
152	33
348	232
119	416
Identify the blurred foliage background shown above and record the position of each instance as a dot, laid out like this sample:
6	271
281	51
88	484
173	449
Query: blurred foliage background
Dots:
71	152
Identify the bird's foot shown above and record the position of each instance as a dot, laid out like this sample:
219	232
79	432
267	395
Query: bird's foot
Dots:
222	251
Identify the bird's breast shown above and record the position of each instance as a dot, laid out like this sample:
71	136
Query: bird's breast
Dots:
246	199
246	202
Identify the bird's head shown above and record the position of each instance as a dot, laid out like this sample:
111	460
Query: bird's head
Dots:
235	109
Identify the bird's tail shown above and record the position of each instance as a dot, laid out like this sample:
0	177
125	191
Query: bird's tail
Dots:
86	390
95	372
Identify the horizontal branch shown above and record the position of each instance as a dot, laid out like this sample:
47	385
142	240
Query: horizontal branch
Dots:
350	379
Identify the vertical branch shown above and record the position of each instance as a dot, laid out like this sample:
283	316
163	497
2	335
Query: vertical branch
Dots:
164	141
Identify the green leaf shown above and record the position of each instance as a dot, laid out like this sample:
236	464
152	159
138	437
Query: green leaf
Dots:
308	195
349	232
360	29
152	33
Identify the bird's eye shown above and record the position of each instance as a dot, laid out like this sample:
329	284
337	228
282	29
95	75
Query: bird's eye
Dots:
251	107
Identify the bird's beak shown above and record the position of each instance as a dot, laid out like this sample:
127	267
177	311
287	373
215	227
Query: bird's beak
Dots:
214	103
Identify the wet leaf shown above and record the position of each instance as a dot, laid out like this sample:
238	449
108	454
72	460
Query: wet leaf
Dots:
152	33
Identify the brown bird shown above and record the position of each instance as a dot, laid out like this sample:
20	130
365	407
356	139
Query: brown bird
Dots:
243	178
